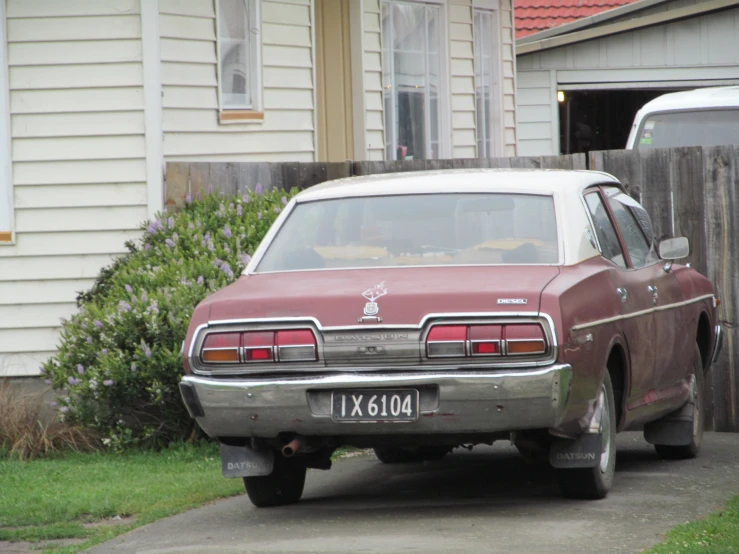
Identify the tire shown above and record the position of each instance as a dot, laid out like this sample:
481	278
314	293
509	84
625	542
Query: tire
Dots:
691	450
400	455
593	483
283	486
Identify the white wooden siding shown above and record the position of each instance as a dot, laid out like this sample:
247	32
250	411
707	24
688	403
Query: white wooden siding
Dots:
462	86
509	77
701	50
373	94
78	162
190	90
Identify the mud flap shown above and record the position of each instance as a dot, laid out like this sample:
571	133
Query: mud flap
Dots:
675	429
244	461
583	451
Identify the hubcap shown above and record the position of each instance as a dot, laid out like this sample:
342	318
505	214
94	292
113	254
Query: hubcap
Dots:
605	431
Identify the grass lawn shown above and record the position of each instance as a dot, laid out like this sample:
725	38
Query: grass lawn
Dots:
717	533
78	495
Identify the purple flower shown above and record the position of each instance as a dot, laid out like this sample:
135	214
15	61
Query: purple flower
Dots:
152	228
246	198
134	367
239	210
244	258
108	382
175	237
147	353
80	369
98	324
277	209
47	381
89	340
52	404
226	248
124	306
147	247
227	231
201	280
284	201
170	243
218	262
231	206
144	296
258	189
41	370
259	215
188	198
170	221
129	289
64	409
72	381
104	351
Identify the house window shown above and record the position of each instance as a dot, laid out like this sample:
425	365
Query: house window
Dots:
486	83
238	55
412	79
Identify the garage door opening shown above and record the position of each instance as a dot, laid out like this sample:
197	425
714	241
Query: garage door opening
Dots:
600	119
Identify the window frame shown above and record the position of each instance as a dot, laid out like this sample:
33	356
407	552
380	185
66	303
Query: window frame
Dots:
638	225
7	223
597	192
493	120
444	96
254	112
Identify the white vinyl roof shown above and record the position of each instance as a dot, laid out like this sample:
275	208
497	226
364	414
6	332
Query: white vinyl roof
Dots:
531	181
712	97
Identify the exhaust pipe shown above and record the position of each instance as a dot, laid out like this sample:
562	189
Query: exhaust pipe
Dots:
293	447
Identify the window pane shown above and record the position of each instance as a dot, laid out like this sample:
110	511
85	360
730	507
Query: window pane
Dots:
604	230
484	81
411	79
433	229
697	128
640	250
233	43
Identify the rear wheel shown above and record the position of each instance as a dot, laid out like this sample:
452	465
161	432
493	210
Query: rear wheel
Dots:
400	455
595	482
283	486
690	450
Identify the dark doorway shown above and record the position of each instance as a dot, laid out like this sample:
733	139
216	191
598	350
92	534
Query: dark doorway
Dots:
600	119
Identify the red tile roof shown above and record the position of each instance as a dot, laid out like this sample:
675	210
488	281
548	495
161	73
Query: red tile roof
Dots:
533	16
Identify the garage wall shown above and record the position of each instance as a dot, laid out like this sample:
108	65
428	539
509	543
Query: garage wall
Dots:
538	113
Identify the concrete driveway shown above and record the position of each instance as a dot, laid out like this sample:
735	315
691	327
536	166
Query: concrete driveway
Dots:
487	500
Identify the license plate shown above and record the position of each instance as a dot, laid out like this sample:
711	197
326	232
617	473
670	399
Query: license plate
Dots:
367	405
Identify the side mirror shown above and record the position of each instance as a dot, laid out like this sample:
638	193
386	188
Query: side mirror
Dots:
674	248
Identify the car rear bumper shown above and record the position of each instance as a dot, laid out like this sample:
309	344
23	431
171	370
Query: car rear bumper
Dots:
449	402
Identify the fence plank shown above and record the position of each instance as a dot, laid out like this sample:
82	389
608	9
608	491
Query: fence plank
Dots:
720	175
656	191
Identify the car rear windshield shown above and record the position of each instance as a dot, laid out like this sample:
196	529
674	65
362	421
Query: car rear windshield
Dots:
413	230
690	128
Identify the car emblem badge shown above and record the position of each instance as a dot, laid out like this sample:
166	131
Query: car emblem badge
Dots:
371	308
512	301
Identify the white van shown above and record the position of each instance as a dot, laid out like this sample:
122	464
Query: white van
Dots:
700	117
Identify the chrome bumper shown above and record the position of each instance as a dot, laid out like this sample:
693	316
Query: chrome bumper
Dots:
717	345
449	402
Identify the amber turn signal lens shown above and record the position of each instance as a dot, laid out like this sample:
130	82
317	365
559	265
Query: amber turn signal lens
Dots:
227	355
526	346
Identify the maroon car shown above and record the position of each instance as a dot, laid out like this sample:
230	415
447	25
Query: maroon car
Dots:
414	312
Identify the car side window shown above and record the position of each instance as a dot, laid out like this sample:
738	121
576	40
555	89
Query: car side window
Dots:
604	230
636	227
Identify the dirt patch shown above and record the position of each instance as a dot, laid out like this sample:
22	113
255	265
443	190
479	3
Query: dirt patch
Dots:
35	547
110	522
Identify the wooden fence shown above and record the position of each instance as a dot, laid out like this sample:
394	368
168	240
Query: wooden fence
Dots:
689	192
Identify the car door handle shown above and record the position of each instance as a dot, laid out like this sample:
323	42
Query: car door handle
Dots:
654	292
622	293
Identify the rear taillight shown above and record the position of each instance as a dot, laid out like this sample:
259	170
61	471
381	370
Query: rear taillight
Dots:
297	345
445	341
221	348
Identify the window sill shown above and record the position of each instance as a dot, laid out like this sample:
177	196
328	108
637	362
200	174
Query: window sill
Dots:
227	117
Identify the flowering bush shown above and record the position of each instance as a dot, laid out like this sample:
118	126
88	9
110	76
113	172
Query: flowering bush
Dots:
120	359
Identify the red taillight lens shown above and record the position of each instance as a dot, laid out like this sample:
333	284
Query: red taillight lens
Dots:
258	346
296	346
221	348
446	341
460	341
485	340
524	340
